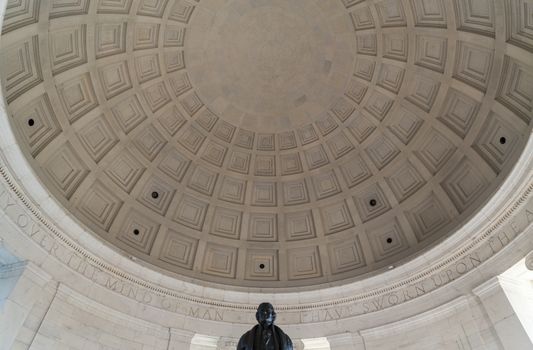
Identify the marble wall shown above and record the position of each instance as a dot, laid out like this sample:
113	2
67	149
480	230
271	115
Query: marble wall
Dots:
40	313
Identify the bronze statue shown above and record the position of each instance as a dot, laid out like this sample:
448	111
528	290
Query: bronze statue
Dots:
265	335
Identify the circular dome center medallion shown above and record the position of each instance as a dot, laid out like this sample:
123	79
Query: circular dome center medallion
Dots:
268	65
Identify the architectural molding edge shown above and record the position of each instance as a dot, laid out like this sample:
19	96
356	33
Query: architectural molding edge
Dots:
29	220
529	261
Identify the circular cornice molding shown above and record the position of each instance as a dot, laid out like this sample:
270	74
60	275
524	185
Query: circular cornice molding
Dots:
512	221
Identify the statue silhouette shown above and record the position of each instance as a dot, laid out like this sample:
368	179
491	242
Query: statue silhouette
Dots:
265	335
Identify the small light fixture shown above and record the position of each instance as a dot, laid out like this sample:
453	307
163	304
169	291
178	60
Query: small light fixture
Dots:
155	195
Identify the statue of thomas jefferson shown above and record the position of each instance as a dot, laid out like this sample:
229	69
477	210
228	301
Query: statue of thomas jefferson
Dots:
265	335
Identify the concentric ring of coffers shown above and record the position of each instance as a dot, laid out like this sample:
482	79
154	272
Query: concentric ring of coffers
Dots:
401	124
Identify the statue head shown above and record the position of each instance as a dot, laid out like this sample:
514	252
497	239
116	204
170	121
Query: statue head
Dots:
265	314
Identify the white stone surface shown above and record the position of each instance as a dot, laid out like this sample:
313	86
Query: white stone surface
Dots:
201	341
180	339
58	317
499	310
519	292
73	321
459	324
346	341
316	343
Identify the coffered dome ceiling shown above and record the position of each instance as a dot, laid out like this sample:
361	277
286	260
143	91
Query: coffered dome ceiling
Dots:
270	143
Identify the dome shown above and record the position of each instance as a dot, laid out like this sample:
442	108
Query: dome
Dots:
280	145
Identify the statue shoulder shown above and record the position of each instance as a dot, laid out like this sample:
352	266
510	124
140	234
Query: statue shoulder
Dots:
287	342
246	340
241	345
279	330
